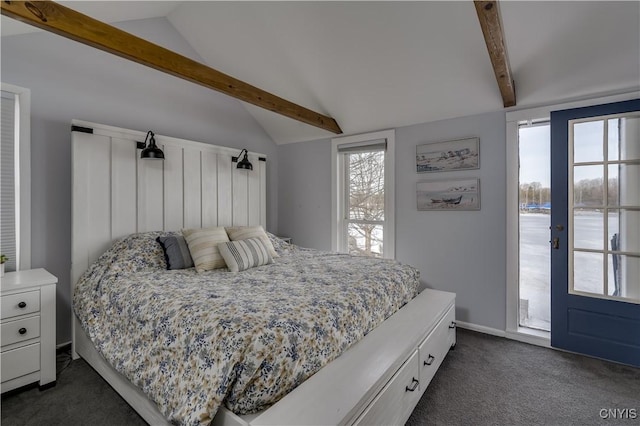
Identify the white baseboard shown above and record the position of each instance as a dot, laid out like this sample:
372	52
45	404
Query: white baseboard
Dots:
63	345
480	328
533	337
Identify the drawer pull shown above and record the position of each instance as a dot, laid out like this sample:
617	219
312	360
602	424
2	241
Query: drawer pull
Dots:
22	305
414	386
452	325
429	360
22	331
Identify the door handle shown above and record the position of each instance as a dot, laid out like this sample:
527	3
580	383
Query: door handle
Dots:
429	360
555	243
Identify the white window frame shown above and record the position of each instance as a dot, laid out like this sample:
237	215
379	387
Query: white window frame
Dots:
514	331
23	180
338	187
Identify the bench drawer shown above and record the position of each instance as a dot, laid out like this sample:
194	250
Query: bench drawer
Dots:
436	346
394	403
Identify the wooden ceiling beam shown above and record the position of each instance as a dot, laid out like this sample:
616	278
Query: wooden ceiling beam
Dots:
61	20
489	17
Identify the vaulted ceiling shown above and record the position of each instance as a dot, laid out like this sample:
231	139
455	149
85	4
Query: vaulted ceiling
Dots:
377	65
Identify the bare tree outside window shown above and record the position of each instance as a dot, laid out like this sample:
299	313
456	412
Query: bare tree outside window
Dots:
365	221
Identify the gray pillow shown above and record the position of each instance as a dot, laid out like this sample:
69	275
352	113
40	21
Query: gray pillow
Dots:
176	252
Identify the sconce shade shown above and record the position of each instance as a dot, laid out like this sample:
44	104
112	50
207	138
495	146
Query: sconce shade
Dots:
244	163
151	151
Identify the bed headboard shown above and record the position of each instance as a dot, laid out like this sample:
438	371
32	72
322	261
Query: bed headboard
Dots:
115	193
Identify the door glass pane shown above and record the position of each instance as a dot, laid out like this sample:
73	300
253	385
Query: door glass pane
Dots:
613	193
366	185
629	131
365	239
624	224
588	188
588	229
587	272
623	276
587	144
534	221
614	135
629	184
613	229
614	275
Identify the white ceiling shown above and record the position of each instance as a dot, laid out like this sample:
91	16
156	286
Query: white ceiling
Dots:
377	65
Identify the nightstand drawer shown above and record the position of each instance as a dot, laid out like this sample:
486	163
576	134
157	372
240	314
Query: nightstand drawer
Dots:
18	362
20	330
20	304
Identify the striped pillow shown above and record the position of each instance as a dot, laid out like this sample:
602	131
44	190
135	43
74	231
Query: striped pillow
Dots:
244	254
243	232
203	246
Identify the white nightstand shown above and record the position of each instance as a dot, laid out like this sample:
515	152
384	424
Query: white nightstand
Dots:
28	321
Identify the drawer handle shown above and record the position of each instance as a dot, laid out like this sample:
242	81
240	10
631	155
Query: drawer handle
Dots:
429	360
22	305
414	386
452	325
22	331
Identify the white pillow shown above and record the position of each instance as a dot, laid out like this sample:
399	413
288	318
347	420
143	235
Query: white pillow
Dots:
243	232
203	246
244	254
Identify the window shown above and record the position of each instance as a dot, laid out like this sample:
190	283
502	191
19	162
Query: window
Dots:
15	182
534	147
604	207
363	200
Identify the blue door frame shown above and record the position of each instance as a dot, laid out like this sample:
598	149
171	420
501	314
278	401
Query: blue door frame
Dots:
602	328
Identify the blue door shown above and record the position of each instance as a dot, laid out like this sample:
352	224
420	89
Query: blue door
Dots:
595	231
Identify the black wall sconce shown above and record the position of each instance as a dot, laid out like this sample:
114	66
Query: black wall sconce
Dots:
151	151
244	163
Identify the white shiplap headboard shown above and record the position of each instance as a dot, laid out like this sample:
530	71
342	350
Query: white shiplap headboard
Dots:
115	193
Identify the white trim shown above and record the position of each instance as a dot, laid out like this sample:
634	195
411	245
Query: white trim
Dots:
512	211
24	214
338	184
545	111
525	335
64	344
480	328
512	223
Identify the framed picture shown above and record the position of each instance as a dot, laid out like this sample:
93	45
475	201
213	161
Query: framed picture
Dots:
459	154
449	194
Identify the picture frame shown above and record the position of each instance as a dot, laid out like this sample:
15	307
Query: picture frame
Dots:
458	154
448	194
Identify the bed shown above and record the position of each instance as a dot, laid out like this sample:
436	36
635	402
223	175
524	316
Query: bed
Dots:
360	343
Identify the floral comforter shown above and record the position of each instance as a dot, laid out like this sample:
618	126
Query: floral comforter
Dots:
193	342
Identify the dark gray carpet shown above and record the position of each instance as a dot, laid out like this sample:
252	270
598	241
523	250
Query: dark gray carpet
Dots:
490	380
486	380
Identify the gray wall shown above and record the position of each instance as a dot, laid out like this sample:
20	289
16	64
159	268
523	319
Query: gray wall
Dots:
72	81
304	204
463	252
